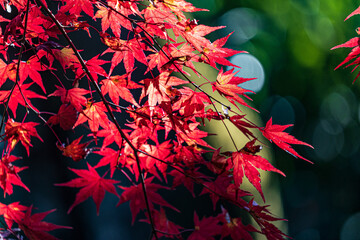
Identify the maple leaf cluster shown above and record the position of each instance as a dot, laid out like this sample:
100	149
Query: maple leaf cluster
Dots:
353	58
159	146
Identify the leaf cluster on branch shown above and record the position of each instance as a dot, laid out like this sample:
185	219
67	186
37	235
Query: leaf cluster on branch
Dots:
158	146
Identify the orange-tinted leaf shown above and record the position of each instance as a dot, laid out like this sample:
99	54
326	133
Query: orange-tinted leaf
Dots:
118	87
65	56
16	131
75	149
14	212
95	115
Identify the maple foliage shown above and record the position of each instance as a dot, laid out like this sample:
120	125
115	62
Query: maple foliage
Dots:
92	185
138	113
353	58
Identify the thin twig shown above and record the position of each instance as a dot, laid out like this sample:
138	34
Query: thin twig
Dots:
109	110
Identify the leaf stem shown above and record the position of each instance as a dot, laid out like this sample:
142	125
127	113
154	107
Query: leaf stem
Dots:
112	117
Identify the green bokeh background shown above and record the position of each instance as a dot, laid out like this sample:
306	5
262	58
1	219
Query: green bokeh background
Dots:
292	39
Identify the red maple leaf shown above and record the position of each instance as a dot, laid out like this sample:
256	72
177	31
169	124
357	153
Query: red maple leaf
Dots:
161	151
240	122
75	149
353	43
263	218
73	96
36	229
14	212
95	114
223	186
274	133
357	11
124	50
186	178
66	117
227	84
156	88
111	157
9	174
206	228
20	95
65	56
31	69
234	227
193	102
77	6
111	19
214	53
246	163
17	131
94	67
92	185
135	195
3	72
164	226
218	162
118	87
111	134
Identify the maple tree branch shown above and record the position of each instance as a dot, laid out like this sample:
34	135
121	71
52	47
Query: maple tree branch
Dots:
9	229
211	98
160	49
112	117
22	46
227	129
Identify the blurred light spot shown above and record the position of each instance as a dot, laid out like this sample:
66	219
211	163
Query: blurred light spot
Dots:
320	31
351	228
250	68
307	6
305	51
283	112
331	126
328	139
308	234
244	22
352	141
336	106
